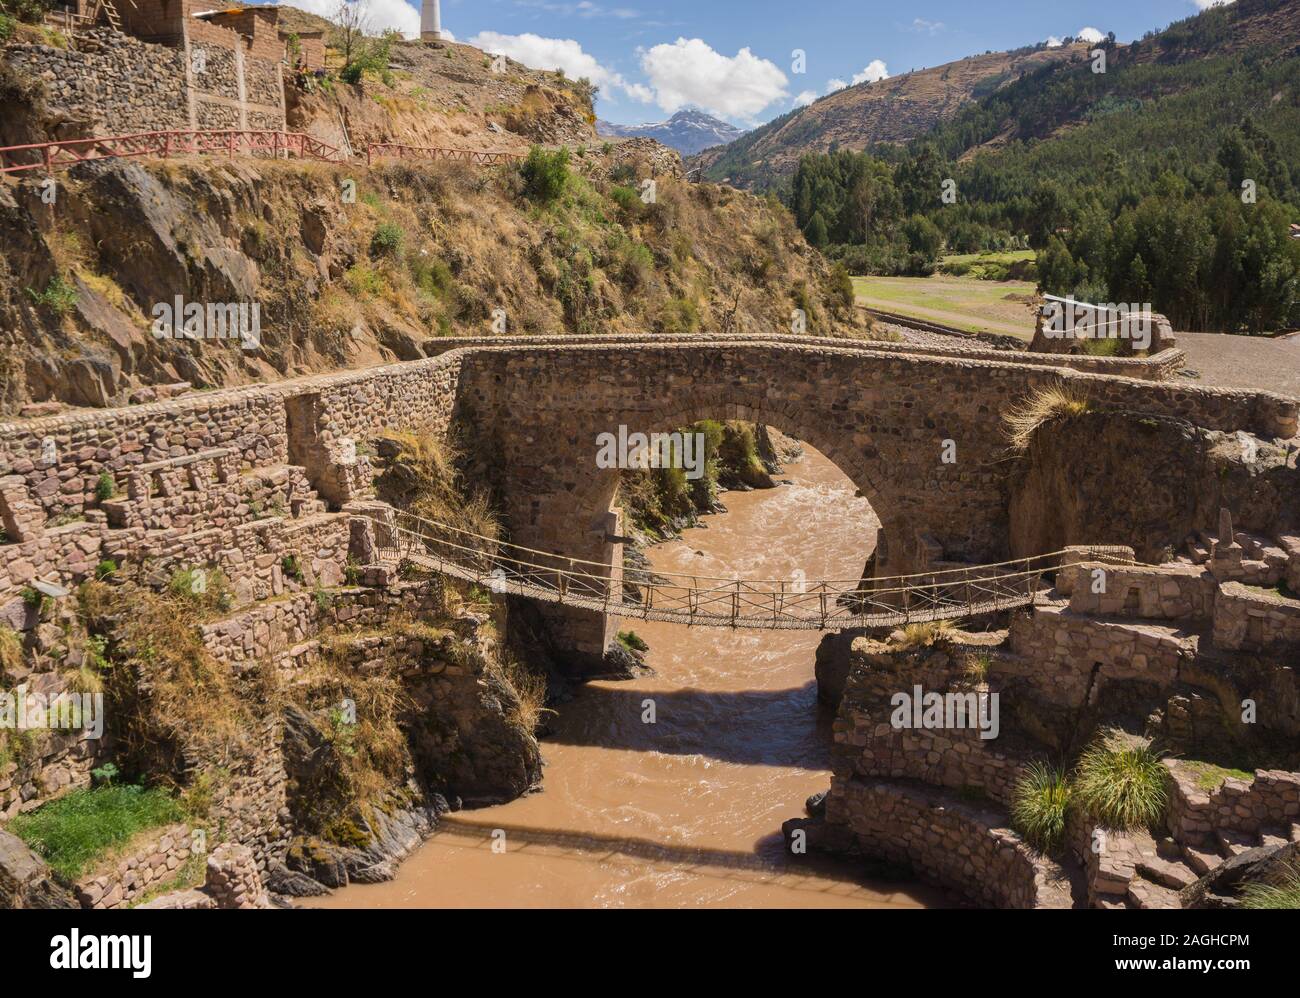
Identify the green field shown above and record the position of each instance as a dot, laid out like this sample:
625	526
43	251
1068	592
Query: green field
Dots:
964	303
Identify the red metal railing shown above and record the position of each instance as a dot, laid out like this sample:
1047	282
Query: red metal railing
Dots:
50	156
378	149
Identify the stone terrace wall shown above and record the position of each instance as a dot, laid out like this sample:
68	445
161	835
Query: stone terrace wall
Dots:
118	83
250	421
1165	592
1050	642
1270	802
286	630
1255	620
945	841
146	867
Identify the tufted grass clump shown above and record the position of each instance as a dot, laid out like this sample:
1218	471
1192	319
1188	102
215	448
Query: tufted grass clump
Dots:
1040	804
1058	400
1284	894
1121	783
926	634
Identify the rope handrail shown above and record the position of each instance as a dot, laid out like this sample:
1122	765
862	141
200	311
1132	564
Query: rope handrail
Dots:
824	605
1099	551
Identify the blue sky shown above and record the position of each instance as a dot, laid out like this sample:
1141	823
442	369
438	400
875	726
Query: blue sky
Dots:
734	59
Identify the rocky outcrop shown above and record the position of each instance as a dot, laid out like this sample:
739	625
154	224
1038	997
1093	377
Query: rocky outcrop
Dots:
1146	481
25	879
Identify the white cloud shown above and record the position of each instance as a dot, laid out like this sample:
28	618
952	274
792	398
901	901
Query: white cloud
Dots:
931	27
1207	4
805	98
876	70
690	72
1090	35
835	84
1053	42
556	53
381	15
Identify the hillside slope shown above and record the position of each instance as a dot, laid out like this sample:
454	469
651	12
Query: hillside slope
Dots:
891	110
424	252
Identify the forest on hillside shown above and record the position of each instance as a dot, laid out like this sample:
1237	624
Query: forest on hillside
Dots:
1171	178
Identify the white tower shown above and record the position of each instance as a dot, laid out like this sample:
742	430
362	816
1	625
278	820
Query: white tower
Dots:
430	21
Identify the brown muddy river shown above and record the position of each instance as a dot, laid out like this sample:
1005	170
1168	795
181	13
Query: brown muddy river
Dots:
687	811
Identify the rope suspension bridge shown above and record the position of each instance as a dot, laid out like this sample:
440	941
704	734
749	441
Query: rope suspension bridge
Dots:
712	601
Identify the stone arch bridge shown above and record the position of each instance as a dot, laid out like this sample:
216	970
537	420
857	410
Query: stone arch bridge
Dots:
886	414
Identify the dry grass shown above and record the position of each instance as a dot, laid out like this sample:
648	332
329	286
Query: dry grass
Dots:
168	691
11	650
1058	400
927	634
424	478
530	687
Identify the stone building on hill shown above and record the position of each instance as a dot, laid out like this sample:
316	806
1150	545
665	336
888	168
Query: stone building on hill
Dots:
154	65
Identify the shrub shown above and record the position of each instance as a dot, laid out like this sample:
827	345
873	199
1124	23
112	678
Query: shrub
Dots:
1121	783
628	201
7	26
632	641
546	174
105	487
387	240
106	569
11	649
1056	401
291	567
680	316
202	588
75	830
59	296
1039	805
842	295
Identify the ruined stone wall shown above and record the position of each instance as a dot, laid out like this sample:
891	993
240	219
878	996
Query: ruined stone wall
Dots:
88	442
1165	592
287	631
1051	642
1248	619
181	74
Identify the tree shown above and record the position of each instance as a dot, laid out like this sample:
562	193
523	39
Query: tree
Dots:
352	21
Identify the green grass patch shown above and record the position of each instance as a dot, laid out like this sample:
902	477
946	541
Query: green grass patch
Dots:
1209	777
964	303
71	833
632	641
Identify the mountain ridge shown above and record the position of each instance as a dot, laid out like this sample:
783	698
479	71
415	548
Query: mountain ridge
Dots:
689	131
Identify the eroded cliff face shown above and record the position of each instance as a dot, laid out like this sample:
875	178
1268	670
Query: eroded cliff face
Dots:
350	267
1148	482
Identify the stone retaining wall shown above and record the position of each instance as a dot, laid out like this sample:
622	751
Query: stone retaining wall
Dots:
120	84
148	865
947	842
1051	642
1151	592
286	630
1270	802
1247	619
